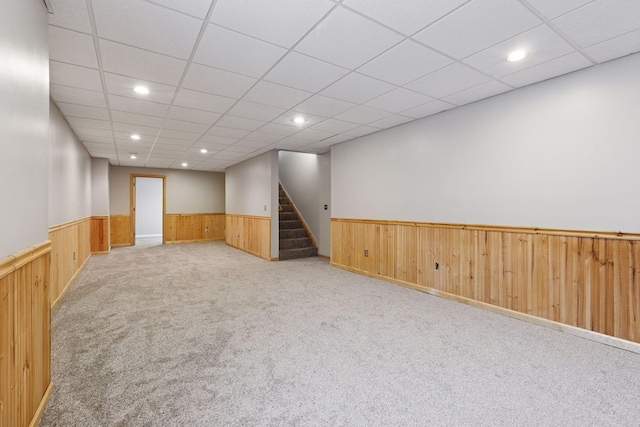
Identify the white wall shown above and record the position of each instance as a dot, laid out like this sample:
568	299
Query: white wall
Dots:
99	187
251	188
562	153
69	173
24	125
187	191
148	207
307	179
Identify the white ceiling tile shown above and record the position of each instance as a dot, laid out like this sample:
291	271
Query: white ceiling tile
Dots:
136	119
218	82
399	99
347	39
231	51
238	149
304	73
212	147
176	134
334	140
240	123
448	80
277	129
227	132
197	8
74	95
282	22
615	48
255	111
158	163
566	64
429	109
334	126
391	121
314	135
123	86
129	128
274	94
554	8
478	25
147	26
404	63
144	140
87	133
89	123
73	75
170	146
183	126
97	146
71	14
139	144
292	142
406	16
357	88
137	106
323	106
91	139
191	115
203	101
541	43
141	64
362	115
74	110
601	20
485	90
361	131
72	47
261	137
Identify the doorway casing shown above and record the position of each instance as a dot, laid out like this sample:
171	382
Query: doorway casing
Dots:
132	203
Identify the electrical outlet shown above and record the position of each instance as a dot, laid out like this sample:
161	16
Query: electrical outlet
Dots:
366	252
437	265
206	229
74	256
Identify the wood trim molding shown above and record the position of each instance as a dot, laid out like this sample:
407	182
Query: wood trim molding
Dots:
58	227
248	216
573	330
619	235
195	214
304	223
324	256
42	406
13	262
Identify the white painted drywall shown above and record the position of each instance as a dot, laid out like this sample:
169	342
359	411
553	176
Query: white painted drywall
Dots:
251	188
148	207
69	173
24	125
307	179
187	191
99	187
324	174
562	153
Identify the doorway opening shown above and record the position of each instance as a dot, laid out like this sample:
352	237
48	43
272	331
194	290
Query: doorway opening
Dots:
147	209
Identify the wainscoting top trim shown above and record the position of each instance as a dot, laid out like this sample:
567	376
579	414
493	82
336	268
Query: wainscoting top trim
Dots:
13	262
618	235
68	224
195	214
250	216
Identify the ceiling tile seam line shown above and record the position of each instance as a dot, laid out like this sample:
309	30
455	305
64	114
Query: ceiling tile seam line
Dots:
576	9
557	30
96	43
533	66
171	9
289	50
613	38
196	44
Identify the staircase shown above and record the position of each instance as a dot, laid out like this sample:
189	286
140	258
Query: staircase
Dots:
294	240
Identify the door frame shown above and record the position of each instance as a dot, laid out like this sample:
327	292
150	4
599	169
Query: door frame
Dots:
132	203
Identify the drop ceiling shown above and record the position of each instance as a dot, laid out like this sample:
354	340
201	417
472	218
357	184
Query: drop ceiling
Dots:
229	76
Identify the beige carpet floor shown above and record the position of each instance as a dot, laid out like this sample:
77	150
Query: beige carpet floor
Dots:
206	335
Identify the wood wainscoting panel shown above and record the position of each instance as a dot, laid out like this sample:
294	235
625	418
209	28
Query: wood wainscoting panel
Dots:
251	234
194	227
120	226
25	353
586	279
70	249
100	238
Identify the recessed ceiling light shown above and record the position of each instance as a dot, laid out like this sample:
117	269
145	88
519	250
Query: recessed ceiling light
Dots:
517	55
133	156
203	150
135	137
142	90
299	120
184	165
